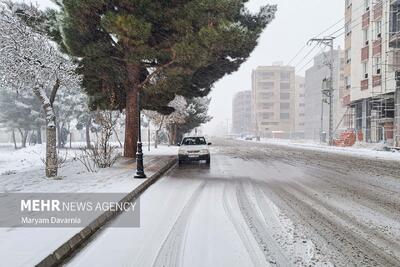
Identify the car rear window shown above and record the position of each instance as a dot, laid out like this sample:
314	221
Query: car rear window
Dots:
193	141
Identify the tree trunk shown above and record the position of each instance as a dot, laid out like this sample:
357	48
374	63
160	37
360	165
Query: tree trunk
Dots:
51	151
170	134
51	134
156	139
131	120
13	138
70	139
24	136
39	135
59	138
175	134
87	130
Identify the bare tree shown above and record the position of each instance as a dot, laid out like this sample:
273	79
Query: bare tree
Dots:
30	61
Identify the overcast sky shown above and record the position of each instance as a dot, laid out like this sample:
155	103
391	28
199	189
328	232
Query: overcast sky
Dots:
296	22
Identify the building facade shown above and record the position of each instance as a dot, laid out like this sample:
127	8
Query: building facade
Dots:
300	107
372	43
273	98
241	113
317	104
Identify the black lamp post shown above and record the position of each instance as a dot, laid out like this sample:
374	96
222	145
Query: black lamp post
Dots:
139	154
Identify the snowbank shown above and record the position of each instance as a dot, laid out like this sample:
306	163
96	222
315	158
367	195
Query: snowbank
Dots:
360	150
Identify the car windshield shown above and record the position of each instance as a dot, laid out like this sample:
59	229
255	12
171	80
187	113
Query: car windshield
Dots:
193	141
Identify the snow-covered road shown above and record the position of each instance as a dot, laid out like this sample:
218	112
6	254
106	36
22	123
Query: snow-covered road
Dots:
261	205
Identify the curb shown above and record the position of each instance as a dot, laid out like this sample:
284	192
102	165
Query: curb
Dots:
78	241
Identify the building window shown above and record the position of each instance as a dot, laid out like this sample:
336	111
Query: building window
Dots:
285	96
365	70
348	3
347	28
302	105
266	85
267	75
377	61
285	86
285	116
348	55
285	106
366	37
347	82
266	105
266	96
378	29
285	76
267	115
366	5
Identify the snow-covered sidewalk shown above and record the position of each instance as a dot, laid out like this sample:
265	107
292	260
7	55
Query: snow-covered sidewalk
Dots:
28	246
371	151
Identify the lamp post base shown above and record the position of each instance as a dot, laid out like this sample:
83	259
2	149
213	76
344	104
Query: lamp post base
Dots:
139	163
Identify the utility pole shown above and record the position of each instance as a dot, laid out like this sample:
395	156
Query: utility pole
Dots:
328	41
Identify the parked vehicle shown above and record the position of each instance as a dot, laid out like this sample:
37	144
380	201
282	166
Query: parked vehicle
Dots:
194	149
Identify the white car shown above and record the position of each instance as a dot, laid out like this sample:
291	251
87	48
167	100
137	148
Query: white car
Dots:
194	149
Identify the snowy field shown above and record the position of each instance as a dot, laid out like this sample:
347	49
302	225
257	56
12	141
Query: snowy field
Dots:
372	151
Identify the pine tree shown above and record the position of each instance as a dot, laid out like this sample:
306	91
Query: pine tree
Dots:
159	48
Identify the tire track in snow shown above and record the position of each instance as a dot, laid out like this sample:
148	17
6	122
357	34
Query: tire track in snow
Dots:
171	251
300	249
272	252
255	254
355	249
375	238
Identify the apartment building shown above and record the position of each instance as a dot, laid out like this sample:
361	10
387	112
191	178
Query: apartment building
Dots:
241	113
300	107
372	49
317	103
273	98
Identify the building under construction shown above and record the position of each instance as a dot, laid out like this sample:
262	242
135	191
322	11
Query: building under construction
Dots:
372	71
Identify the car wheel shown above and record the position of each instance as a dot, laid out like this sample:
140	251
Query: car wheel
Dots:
208	161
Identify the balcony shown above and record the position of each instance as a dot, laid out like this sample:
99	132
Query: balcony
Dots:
365	53
366	20
377	47
364	84
376	80
378	10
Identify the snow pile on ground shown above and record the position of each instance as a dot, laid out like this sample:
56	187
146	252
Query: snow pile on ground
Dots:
161	150
12	160
360	149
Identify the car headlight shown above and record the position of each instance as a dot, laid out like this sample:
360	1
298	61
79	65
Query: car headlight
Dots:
183	152
204	151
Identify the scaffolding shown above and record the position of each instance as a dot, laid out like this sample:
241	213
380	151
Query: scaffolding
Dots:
377	116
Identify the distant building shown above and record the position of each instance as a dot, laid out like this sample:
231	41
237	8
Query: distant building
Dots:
300	107
372	45
316	106
273	98
241	113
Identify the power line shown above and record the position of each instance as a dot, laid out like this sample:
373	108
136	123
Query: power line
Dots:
324	31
